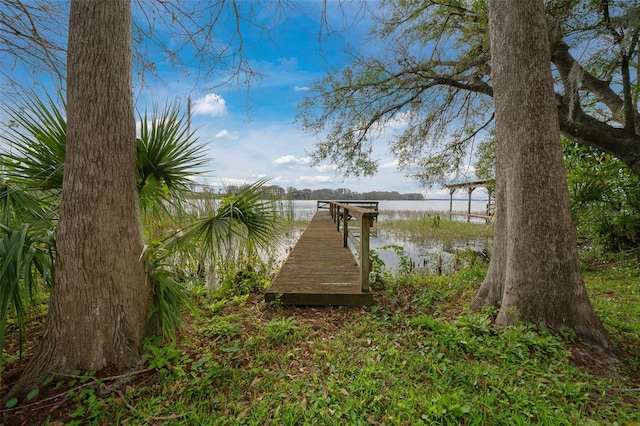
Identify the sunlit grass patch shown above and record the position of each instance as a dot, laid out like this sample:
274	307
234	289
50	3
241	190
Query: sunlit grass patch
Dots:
433	227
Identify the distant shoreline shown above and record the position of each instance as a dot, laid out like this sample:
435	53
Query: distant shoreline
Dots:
453	199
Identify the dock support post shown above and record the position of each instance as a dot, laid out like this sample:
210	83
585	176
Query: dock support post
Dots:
469	190
345	230
365	265
451	191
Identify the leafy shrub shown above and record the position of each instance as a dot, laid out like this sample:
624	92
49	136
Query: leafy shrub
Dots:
227	327
605	198
242	283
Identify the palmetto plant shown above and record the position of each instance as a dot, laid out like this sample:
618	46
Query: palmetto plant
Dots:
25	262
30	182
31	170
167	156
37	140
248	215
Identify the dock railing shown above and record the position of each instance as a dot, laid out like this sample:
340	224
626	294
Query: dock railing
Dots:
365	212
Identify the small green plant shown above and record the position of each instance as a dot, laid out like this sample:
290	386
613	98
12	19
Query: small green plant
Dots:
434	221
170	297
447	408
226	327
379	275
242	283
406	265
281	332
92	402
240	300
166	359
217	305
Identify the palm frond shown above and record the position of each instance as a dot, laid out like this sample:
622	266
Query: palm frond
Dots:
169	295
591	190
37	139
168	154
20	206
248	216
25	261
252	209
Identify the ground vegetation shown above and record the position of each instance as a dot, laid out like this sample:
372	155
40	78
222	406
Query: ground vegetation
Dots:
417	354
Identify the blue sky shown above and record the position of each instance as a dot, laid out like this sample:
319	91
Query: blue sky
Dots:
249	133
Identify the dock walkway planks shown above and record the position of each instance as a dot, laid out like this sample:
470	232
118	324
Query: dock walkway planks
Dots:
319	270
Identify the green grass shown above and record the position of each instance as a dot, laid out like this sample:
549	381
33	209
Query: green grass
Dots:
614	289
419	228
417	356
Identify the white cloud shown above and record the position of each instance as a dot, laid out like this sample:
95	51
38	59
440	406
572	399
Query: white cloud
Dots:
212	104
301	88
225	134
285	160
393	164
291	160
280	180
322	168
314	179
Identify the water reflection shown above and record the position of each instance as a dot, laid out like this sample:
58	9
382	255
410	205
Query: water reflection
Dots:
424	254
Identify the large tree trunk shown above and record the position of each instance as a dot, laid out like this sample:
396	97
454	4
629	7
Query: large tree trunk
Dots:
536	268
490	293
98	308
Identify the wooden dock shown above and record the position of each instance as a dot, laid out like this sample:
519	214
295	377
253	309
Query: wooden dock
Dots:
320	270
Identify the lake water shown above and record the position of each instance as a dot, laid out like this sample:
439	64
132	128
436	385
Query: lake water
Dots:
427	256
305	209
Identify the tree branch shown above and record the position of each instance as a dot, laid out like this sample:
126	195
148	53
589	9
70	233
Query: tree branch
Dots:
591	132
572	73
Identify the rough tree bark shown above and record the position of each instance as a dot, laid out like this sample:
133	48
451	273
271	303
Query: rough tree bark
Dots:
98	308
534	275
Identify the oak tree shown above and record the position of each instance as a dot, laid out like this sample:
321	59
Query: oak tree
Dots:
427	79
534	275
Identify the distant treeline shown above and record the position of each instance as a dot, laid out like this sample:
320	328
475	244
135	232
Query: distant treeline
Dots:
292	193
339	194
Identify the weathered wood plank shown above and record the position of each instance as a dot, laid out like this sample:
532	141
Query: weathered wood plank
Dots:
319	270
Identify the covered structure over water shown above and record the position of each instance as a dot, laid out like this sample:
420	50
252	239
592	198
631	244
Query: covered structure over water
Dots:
470	187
